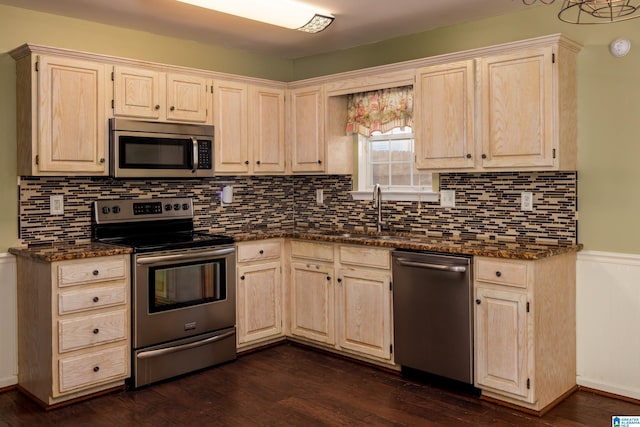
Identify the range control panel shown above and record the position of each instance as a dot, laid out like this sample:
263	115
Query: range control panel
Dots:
125	210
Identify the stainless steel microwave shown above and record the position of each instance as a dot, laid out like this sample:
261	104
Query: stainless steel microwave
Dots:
140	149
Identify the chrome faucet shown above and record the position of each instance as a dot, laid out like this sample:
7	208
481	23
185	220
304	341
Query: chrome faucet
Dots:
377	203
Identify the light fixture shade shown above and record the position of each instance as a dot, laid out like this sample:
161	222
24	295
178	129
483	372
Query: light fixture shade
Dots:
598	11
283	13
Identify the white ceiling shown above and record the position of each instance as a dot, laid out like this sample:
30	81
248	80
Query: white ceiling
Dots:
357	22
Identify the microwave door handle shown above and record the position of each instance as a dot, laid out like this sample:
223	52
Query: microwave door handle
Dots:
195	154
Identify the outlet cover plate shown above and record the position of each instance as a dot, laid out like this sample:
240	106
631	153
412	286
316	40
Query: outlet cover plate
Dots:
448	198
56	205
526	201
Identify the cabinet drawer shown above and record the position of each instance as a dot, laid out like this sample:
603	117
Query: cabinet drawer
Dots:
253	251
504	272
87	299
91	330
93	368
91	270
319	251
365	256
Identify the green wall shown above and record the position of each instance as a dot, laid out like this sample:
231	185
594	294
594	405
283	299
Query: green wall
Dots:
608	107
608	96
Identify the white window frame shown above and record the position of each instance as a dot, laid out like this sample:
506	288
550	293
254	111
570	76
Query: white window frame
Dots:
365	190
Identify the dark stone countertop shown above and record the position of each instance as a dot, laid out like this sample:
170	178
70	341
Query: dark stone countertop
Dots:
507	247
69	251
499	248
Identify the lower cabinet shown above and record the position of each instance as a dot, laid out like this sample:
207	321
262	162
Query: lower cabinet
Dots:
74	322
259	292
525	336
350	312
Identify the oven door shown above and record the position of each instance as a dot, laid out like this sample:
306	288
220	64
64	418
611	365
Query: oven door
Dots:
182	293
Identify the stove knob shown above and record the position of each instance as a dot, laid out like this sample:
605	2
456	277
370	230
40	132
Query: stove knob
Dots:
167	207
105	210
176	207
115	209
185	206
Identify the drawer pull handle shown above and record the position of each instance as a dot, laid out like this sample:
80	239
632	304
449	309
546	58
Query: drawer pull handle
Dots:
261	252
96	368
96	331
96	299
96	272
498	274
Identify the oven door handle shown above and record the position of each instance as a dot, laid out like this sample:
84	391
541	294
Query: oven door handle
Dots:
163	351
154	259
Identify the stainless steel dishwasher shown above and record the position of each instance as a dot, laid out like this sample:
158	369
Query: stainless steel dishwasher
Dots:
433	313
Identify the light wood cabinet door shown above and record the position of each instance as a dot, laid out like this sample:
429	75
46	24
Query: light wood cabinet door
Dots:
230	123
307	145
259	302
266	129
444	116
312	301
187	98
137	93
518	109
501	341
72	120
364	304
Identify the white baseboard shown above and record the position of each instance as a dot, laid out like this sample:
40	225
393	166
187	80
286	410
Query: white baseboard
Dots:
608	322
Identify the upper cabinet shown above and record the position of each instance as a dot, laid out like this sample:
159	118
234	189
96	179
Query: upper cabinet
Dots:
249	128
518	106
517	111
306	132
154	95
444	116
62	118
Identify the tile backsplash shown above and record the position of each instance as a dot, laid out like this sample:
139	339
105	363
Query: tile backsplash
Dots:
487	205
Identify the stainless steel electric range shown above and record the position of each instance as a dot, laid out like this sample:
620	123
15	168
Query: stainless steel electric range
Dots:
183	286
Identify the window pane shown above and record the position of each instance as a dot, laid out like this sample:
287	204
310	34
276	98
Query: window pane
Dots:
380	151
380	174
401	174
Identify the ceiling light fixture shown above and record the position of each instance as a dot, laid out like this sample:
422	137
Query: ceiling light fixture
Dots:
283	13
595	11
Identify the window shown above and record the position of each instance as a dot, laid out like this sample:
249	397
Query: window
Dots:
382	119
388	159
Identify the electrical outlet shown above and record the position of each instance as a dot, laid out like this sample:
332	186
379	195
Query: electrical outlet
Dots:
56	205
448	198
319	196
526	201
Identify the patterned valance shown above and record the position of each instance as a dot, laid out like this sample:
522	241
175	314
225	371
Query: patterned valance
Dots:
380	110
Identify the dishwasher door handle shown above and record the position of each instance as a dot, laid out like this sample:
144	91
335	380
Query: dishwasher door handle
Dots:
452	268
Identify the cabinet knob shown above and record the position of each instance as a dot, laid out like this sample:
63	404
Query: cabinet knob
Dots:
478	301
339	280
258	162
96	331
498	274
101	160
241	277
319	162
157	107
246	162
172	108
96	368
261	252
96	272
484	156
468	156
328	277
96	299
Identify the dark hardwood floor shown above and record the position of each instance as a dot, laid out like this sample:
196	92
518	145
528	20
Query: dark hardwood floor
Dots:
288	385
